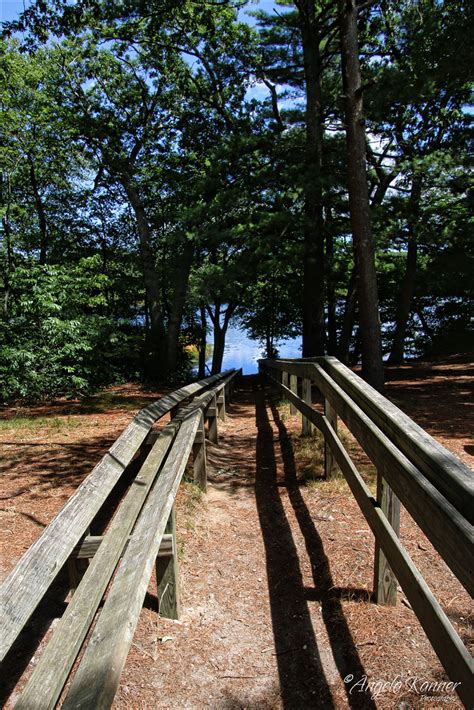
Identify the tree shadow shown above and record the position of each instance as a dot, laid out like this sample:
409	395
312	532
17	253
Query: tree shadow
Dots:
302	679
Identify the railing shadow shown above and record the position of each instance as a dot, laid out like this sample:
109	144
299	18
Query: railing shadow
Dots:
302	677
343	647
302	680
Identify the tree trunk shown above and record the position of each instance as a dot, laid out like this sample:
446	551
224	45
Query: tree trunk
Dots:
43	225
219	334
348	320
156	340
313	265
364	254
177	306
202	344
407	286
331	289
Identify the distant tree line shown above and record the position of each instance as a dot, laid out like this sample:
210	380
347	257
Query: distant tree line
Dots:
166	167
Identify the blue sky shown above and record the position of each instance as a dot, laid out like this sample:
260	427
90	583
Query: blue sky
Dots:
10	9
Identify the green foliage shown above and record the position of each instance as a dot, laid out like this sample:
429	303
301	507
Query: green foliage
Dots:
55	339
108	93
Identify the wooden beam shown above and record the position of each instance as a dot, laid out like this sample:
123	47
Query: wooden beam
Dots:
90	546
221	405
199	457
98	675
294	389
167	576
330	466
444	525
449	648
306	426
23	589
385	582
447	473
47	681
211	415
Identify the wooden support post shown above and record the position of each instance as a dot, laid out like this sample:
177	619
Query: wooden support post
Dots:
90	545
199	456
211	415
306	426
221	405
285	379
330	466
167	577
76	569
294	389
385	582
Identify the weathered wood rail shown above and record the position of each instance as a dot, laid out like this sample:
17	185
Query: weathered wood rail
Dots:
412	470
140	536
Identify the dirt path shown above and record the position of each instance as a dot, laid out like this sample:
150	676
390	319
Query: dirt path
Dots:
276	578
276	570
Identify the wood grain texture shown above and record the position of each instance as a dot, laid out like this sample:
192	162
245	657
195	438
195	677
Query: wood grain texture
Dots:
306	425
445	526
26	585
167	576
385	582
449	648
97	678
294	389
450	475
90	546
330	466
450	533
47	681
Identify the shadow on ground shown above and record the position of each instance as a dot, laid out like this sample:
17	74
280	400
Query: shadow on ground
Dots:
301	673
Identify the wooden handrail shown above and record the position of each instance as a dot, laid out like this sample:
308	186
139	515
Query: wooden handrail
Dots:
167	458
23	589
440	517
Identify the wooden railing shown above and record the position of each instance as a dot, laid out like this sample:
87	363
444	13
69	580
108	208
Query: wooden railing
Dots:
136	536
412	470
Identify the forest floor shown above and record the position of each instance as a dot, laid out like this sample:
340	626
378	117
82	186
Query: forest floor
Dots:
276	564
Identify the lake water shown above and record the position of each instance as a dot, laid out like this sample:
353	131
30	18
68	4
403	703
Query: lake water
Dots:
241	352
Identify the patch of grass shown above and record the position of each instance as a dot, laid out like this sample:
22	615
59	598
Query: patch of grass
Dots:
331	487
105	401
192	496
31	424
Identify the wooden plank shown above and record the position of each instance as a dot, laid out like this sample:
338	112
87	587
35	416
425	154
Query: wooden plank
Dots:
211	415
26	585
167	576
97	678
313	415
449	532
445	527
385	582
199	457
449	648
450	475
221	404
294	389
306	426
330	466
90	546
47	681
